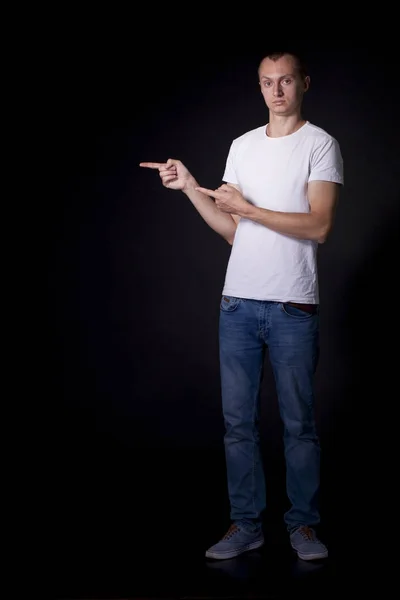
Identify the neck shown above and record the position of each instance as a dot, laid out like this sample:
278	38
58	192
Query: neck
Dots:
279	126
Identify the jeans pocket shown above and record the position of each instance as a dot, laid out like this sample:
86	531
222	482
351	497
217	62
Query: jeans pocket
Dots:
297	313
230	303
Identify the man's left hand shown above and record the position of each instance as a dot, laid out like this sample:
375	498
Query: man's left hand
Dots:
228	199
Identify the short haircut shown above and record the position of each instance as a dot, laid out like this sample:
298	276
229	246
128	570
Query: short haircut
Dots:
299	61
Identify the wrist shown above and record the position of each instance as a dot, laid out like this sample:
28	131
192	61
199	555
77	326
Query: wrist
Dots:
248	211
190	185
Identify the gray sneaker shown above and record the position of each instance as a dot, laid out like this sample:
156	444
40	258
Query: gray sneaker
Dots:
236	541
307	545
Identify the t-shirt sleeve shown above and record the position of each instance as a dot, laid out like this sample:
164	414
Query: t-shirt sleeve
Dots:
230	175
327	163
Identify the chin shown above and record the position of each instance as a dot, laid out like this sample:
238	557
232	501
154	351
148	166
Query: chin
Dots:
280	110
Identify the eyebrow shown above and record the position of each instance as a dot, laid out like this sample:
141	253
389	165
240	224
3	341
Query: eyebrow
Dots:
280	77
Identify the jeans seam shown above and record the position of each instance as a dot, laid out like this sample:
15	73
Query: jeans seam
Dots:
255	407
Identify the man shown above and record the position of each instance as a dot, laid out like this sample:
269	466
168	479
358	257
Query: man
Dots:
277	204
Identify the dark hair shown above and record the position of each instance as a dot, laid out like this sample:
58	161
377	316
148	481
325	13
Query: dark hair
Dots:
299	61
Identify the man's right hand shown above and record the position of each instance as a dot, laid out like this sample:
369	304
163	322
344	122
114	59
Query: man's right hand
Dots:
174	175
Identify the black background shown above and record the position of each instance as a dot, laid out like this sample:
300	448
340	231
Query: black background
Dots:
135	279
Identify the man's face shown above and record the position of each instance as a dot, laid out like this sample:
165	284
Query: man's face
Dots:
281	85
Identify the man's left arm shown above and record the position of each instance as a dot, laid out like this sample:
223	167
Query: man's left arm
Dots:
314	225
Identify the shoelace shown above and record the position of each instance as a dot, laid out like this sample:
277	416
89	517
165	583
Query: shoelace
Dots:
231	531
307	533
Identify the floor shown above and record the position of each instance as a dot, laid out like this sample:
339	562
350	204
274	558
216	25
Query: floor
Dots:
135	523
156	573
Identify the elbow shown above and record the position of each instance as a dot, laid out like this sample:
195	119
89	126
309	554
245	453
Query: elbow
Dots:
230	238
322	234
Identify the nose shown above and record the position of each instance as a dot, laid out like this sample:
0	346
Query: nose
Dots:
277	89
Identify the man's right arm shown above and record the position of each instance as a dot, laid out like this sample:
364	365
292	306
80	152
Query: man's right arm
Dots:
175	176
224	224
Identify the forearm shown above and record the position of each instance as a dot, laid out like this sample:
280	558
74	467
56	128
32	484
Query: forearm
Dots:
221	222
305	226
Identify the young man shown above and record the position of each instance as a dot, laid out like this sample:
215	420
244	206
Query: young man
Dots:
277	205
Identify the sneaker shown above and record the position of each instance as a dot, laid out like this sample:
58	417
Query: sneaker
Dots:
307	545
236	541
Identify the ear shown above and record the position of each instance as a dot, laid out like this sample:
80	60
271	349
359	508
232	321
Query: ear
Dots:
306	83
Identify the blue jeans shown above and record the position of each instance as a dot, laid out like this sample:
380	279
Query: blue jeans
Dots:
246	328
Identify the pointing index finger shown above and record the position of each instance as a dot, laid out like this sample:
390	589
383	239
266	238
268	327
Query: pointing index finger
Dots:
213	193
151	165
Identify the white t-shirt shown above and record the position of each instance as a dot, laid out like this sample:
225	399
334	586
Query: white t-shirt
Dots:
273	173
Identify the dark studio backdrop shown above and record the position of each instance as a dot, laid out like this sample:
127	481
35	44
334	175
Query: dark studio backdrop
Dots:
136	278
